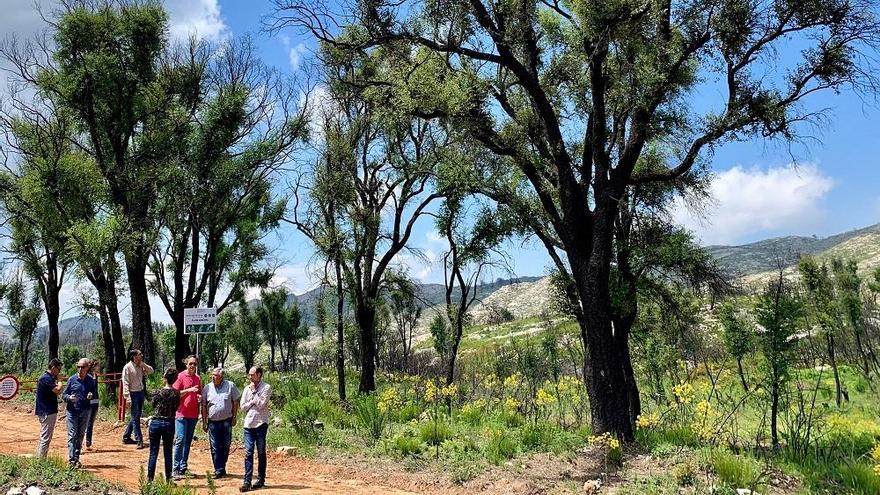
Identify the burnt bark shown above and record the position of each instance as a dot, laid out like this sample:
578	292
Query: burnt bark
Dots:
365	313
340	329
141	322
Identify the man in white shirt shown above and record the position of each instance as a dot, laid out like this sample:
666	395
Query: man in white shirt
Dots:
255	404
133	389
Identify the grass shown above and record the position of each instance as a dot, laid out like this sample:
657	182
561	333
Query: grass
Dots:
51	472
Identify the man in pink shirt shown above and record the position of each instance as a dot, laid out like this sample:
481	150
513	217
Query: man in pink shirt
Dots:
189	384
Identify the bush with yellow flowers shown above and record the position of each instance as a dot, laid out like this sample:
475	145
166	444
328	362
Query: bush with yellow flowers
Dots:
875	457
389	401
704	420
684	393
647	421
611	446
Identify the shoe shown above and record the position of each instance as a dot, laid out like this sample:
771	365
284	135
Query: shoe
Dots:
88	444
258	484
217	476
176	476
140	445
128	441
244	488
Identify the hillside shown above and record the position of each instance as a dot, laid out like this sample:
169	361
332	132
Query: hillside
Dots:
758	257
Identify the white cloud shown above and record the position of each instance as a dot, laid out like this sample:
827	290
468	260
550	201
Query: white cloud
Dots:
195	17
295	55
753	201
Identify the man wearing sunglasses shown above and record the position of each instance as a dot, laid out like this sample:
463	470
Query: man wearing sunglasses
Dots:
78	395
189	384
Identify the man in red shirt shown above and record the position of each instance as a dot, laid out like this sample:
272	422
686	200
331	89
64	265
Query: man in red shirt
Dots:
189	384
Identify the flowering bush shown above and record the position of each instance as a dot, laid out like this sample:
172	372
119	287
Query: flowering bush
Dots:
544	398
389	400
648	421
684	393
704	420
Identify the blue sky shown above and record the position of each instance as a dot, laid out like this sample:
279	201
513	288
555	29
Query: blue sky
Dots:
758	191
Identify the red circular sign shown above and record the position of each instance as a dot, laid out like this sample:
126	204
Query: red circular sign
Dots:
8	387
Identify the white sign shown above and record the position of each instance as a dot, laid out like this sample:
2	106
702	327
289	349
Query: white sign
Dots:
8	387
199	320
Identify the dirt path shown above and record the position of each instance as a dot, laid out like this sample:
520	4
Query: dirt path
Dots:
111	460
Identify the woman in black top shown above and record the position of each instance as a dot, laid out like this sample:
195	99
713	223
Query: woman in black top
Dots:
165	402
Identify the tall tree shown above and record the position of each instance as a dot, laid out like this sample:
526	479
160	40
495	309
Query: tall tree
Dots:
23	314
378	166
216	204
588	99
405	313
105	66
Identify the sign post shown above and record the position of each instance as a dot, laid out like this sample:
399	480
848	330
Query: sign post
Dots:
8	387
199	321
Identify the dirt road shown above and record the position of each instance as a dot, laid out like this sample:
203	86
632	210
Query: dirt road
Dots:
111	460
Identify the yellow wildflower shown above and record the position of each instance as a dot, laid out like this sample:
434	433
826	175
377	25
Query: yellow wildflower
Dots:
512	381
511	404
648	421
604	440
431	391
683	392
449	390
544	398
389	400
704	419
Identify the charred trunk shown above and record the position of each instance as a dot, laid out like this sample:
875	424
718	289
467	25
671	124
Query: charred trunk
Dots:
340	332
141	323
366	320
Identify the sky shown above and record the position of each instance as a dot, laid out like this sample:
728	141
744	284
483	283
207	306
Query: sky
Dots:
758	191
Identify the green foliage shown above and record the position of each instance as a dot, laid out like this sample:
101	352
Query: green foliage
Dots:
70	354
501	446
302	413
241	331
685	474
738	332
435	433
407	445
369	418
442	336
735	470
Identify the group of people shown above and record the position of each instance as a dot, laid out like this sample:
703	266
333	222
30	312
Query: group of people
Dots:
177	408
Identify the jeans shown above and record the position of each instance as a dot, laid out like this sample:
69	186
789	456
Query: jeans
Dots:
47	429
255	437
161	429
137	406
220	435
185	428
77	421
93	414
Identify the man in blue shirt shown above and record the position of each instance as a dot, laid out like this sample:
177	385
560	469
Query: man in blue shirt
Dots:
78	395
46	408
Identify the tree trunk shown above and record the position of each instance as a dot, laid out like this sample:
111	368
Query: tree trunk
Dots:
774	413
52	314
109	354
366	320
742	375
458	327
182	348
829	340
141	323
340	332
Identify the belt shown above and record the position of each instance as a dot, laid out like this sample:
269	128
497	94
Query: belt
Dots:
219	420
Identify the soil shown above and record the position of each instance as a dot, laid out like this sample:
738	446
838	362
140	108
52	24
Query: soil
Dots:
110	460
330	473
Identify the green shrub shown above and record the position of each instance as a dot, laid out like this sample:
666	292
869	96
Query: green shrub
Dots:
409	411
434	432
685	474
302	414
538	437
369	418
406	445
858	477
8	469
501	447
738	471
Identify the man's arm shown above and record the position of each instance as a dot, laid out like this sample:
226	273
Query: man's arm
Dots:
126	378
66	395
246	400
148	370
205	415
261	399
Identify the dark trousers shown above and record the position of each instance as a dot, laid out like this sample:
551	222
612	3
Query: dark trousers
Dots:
255	437
134	426
220	434
92	416
161	429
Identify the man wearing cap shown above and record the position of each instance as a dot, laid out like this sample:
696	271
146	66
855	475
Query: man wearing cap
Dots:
219	409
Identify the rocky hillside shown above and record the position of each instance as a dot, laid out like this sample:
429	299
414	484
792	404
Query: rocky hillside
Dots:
760	257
